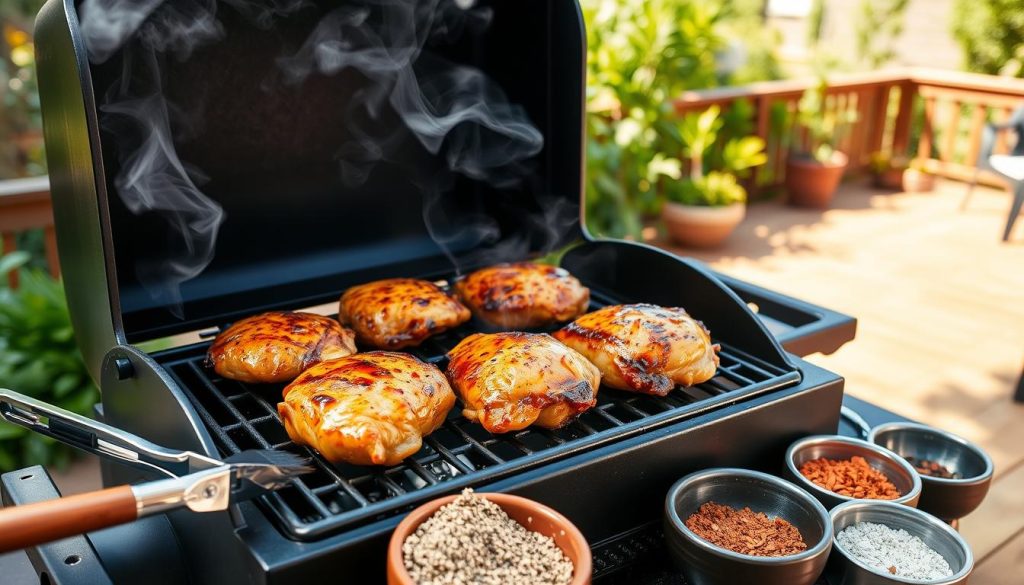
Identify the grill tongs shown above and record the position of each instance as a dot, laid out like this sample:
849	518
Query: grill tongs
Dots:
201	483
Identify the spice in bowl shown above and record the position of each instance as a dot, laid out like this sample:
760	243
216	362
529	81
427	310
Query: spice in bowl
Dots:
472	540
932	468
893	551
853	477
745	531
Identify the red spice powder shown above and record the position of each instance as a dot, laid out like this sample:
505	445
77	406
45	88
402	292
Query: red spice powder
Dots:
745	531
852	477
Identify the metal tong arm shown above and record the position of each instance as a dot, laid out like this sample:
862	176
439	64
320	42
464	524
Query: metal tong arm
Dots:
97	438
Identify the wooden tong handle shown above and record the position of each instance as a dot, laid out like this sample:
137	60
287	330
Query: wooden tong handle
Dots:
31	524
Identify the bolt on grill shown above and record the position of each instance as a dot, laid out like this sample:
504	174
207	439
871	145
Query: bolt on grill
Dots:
459	454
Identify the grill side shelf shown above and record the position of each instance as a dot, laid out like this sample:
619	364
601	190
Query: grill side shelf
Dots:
459	454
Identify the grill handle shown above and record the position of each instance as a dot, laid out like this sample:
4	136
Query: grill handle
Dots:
32	524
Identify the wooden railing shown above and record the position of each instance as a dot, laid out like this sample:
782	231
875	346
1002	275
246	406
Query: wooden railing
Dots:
25	205
941	112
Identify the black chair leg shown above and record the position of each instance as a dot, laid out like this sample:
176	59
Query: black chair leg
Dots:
1018	396
1018	201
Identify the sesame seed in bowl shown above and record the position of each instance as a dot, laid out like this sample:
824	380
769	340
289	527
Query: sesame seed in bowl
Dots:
487	538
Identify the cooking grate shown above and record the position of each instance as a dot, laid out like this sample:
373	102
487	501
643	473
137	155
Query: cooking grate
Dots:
459	454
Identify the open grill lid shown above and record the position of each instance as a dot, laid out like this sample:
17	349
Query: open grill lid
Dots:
236	156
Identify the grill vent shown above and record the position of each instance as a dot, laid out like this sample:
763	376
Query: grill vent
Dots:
459	454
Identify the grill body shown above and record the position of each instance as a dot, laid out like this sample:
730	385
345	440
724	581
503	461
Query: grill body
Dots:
607	472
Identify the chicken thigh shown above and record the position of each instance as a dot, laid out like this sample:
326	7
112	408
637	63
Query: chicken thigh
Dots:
275	347
523	295
369	408
644	348
399	312
508	381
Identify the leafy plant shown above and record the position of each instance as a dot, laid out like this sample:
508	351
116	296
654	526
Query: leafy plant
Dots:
991	35
825	127
714	165
879	24
643	55
881	162
38	357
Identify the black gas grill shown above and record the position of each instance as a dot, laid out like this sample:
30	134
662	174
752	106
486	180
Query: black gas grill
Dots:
267	198
244	416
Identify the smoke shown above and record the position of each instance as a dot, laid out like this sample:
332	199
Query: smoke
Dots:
453	110
152	179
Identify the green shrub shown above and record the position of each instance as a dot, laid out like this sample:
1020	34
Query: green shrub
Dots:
38	357
643	55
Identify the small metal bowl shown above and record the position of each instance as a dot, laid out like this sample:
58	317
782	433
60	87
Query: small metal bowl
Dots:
934	532
899	472
948	499
704	563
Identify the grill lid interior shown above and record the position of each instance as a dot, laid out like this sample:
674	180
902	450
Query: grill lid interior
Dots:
264	168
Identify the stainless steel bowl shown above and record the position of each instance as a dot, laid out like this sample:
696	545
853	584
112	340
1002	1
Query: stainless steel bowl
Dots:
899	472
946	498
934	532
704	563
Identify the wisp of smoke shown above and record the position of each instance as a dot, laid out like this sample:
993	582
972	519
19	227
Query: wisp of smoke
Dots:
453	110
152	178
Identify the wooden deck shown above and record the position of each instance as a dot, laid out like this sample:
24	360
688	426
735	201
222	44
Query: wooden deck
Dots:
940	303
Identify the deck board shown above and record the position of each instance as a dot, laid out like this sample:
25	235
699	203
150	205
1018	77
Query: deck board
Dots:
940	304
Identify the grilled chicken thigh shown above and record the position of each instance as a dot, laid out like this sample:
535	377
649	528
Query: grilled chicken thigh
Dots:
644	348
508	381
275	347
399	312
369	408
523	295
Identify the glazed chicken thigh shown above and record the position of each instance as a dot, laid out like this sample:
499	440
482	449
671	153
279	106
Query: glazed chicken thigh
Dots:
369	408
523	295
644	348
399	312
276	347
508	381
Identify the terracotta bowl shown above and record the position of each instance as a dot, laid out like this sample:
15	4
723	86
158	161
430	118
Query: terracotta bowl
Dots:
533	515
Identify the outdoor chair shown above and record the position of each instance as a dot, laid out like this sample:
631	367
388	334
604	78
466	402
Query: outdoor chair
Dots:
1009	166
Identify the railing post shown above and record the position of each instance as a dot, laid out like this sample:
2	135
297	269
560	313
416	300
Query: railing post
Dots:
877	118
10	245
901	131
763	128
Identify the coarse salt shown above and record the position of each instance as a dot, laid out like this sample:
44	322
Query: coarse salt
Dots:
893	551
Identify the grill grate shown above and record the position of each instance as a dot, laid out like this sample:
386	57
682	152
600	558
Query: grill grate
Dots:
459	454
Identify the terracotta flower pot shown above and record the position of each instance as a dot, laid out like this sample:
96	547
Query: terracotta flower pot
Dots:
533	515
810	183
701	226
915	181
889	179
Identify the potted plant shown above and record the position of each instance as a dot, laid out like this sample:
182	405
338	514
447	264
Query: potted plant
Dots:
815	166
917	179
702	209
887	170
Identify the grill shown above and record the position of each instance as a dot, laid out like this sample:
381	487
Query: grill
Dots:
459	454
288	215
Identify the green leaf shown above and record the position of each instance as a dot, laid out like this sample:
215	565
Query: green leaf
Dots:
13	261
9	431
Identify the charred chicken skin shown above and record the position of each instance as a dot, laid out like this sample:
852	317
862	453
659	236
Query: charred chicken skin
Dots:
644	348
276	347
523	295
371	408
508	381
399	312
